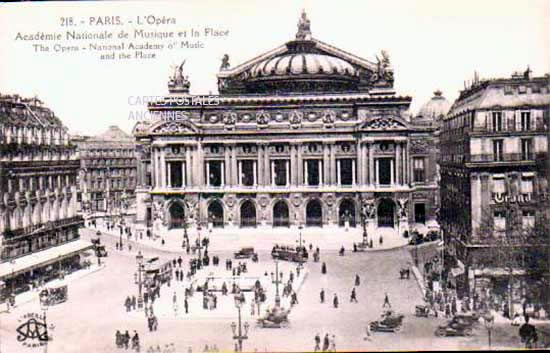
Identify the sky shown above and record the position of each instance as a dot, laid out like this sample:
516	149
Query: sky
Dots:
432	45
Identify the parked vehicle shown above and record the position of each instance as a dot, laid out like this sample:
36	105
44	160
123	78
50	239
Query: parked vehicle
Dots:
424	311
55	295
454	328
289	253
275	318
390	322
245	253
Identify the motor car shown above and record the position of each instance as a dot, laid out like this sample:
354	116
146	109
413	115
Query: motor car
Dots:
454	328
245	253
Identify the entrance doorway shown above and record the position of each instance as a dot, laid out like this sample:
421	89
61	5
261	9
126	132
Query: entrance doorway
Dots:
215	214
177	215
386	213
384	171
346	212
280	214
248	214
314	214
420	213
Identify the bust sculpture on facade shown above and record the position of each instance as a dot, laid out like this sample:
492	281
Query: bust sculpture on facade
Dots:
225	63
304	27
369	208
403	205
178	82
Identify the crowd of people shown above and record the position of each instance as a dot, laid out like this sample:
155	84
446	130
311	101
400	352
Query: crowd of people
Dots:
123	340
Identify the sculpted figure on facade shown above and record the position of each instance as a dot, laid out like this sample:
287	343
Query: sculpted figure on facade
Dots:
262	117
329	116
158	212
403	205
304	27
296	118
229	119
369	208
225	63
178	80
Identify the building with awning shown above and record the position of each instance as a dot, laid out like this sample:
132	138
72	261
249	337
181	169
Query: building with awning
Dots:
43	258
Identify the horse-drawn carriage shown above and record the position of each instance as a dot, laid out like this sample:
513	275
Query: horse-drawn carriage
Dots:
55	295
275	318
389	322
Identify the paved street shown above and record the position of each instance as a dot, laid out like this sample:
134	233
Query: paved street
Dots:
89	319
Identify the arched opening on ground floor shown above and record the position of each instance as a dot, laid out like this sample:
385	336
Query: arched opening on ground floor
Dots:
177	215
386	211
215	214
314	214
346	212
280	214
248	214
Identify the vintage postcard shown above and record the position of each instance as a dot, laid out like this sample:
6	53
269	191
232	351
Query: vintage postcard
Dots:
274	176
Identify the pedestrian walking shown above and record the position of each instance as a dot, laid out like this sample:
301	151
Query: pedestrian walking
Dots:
357	280
326	343
335	301
386	301
322	295
317	343
333	344
324	268
134	302
186	305
353	297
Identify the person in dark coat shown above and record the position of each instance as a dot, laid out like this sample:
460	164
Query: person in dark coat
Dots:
326	343
322	295
353	297
335	301
317	343
186	305
528	333
357	280
324	268
126	339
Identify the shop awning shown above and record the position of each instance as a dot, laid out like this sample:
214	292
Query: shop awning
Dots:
498	272
43	258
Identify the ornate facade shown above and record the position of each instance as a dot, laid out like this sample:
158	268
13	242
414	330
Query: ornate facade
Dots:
38	168
305	134
494	143
107	178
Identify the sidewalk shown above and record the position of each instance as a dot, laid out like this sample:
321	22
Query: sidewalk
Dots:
263	238
29	296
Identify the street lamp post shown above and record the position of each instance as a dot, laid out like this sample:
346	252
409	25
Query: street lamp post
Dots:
489	321
199	265
139	259
275	279
238	334
46	337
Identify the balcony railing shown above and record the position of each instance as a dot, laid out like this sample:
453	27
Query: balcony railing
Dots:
503	157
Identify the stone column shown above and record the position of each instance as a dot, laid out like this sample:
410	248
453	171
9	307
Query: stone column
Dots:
188	165
200	163
267	177
353	180
306	173
259	176
272	173
300	180
163	168
240	169
223	174
169	176
208	174
255	173
333	170
227	165
287	171
293	164
234	165
338	169
392	171
183	175
321	181
377	172
398	163
359	160
408	168
372	177
326	163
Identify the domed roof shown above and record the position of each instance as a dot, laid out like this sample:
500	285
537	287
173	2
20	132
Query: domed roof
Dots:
436	108
302	64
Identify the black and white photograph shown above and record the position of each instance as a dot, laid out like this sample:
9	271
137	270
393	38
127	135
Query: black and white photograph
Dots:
274	176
